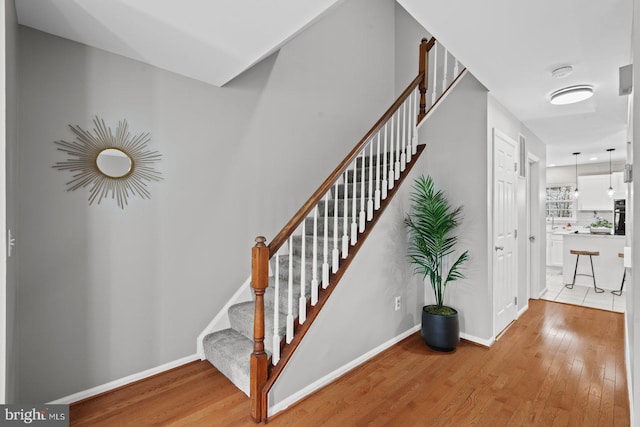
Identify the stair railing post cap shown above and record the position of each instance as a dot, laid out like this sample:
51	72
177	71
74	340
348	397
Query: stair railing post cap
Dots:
260	241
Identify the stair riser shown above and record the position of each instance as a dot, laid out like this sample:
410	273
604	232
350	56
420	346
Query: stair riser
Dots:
331	208
321	225
241	319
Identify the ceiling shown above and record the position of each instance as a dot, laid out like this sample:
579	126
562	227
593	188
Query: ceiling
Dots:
511	47
211	41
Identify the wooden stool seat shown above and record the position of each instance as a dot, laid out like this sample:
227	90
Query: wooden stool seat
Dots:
588	253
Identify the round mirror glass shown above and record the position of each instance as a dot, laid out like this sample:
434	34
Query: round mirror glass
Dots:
113	163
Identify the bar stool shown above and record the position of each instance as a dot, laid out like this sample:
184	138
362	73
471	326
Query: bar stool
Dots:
590	254
624	276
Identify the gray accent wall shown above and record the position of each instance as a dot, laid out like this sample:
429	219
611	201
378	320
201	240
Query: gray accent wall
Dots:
104	292
456	138
409	33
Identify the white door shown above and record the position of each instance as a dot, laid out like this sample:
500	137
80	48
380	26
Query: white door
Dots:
505	286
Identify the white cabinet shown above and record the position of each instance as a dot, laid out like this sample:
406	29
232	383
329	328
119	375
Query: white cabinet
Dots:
593	191
555	250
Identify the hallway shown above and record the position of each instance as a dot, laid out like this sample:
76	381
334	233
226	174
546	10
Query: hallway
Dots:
557	364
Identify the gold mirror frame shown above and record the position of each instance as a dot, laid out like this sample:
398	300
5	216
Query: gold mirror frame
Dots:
83	155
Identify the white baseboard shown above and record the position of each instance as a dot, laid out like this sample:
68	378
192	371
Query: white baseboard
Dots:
522	311
627	362
94	391
484	342
285	403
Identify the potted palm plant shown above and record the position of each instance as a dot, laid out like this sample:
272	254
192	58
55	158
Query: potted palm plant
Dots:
431	224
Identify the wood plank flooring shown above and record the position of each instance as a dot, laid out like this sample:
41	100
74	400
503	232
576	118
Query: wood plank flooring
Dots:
558	365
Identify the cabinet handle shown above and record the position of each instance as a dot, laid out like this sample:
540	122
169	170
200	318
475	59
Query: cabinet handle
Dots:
499	248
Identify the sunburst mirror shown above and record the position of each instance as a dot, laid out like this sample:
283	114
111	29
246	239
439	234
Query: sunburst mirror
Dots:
112	165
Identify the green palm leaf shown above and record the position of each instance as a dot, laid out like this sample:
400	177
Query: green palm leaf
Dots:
430	223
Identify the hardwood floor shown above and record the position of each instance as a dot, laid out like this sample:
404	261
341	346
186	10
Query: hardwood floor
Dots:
558	365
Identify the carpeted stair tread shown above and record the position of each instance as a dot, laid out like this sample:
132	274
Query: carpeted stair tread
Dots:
229	351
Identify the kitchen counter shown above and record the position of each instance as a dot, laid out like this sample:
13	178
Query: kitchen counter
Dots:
608	266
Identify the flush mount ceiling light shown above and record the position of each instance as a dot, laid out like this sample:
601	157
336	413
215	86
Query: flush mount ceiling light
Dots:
571	94
561	72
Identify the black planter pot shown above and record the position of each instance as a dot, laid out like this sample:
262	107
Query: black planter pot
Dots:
440	332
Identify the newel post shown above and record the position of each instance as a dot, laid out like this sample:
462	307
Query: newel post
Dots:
259	362
423	68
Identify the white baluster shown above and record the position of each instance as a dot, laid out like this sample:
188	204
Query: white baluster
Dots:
435	71
403	156
325	258
456	68
290	296
314	261
363	215
336	213
370	190
392	150
398	144
354	215
414	119
276	314
385	185
302	310
444	69
376	197
408	123
345	236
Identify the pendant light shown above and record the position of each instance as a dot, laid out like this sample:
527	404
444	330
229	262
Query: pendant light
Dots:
576	193
610	191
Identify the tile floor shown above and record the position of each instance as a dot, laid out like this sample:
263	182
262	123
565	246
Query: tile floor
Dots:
581	295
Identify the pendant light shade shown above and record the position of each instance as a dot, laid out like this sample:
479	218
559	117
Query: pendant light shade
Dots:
610	191
576	193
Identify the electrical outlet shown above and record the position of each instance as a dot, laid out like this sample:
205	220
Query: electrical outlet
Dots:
397	303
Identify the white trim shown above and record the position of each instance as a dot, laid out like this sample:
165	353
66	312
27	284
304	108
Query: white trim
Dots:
221	320
94	391
522	310
484	342
332	376
543	291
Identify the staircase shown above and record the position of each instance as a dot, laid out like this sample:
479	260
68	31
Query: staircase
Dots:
229	349
296	273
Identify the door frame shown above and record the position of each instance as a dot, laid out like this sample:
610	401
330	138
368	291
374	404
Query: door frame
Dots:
533	226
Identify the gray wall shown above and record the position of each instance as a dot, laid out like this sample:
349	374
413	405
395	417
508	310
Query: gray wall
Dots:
105	292
456	138
409	33
11	52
